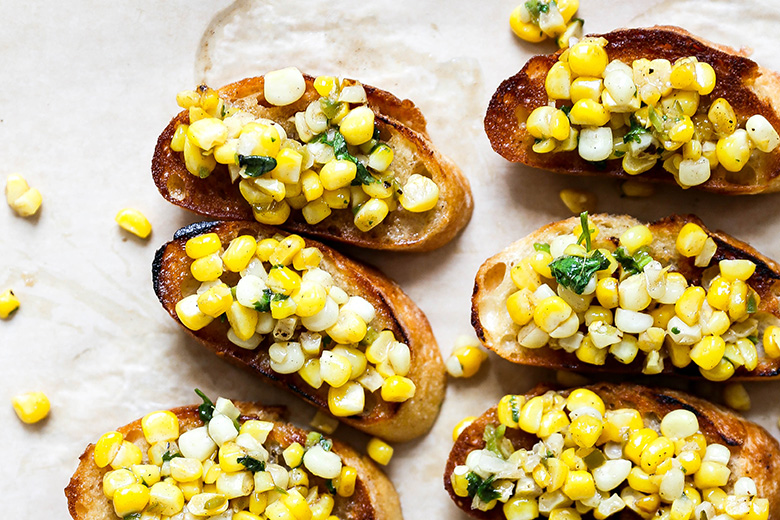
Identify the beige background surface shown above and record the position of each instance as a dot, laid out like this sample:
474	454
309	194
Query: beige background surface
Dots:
87	87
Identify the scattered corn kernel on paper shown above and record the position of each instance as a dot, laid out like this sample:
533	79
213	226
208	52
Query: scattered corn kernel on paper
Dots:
89	86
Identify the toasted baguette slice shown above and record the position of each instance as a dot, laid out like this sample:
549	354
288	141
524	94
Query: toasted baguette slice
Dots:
374	498
493	285
754	453
394	311
401	125
749	88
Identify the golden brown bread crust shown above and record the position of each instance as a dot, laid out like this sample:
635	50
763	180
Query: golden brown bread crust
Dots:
749	88
754	452
493	285
400	123
375	497
395	311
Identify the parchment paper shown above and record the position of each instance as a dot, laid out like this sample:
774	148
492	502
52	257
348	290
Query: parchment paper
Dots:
88	86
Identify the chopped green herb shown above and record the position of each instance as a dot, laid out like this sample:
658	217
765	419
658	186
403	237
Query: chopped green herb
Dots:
330	486
256	165
205	410
167	456
542	247
751	304
264	303
636	132
514	406
493	436
586	231
675	330
340	151
132	516
658	125
619	154
566	109
329	107
753	338
575	272
251	463
481	488
642	257
633	264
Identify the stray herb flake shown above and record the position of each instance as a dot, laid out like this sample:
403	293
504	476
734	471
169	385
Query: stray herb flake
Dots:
751	304
256	165
635	134
514	406
753	338
675	330
481	488
168	456
264	303
633	264
575	272
330	486
205	410
566	109
542	247
132	516
251	463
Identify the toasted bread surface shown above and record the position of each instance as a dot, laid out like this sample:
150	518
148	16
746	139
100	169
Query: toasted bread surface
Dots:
394	311
754	452
375	497
400	124
750	90
493	285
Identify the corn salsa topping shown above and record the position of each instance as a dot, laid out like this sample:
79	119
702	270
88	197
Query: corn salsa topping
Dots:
643	113
536	20
314	327
224	469
591	298
592	460
327	157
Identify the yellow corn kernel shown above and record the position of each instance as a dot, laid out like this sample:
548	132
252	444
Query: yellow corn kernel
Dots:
540	261
541	476
661	315
607	292
708	352
238	254
316	211
25	201
759	509
722	116
207	268
648	504
555	421
380	451
642	481
229	453
281	309
196	163
738	300
524	276
636	237
589	353
371	214
657	451
509	410
128	455
130	499
762	133
683	74
557	83
705	78
346	481
539	122
718	323
293	455
9	303
586	88
733	151
736	269
736	396
578	201
682	130
310	299
31	407
207	133
520	307
283	280
215	301
579	485
586	430
723	371
587	112
349	328
325	85
470	359
273	214
311	185
637	442
288	166
284	251
186	470
380	158
558	472
398	389
179	135
107	447
689	304
117	479
459	481
243	320
530	418
336	199
357	126
420	194
190	315
583	397
771	341
462	425
551	312
711	474
133	221
202	245
521	508
588	57
747	349
719	293
160	426
572	461
307	258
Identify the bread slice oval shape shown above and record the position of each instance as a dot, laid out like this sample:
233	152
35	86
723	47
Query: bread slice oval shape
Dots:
398	123
752	451
374	496
748	88
500	333
394	311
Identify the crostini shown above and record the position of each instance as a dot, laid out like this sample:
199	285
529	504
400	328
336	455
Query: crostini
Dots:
220	459
340	335
622	296
611	450
327	157
658	102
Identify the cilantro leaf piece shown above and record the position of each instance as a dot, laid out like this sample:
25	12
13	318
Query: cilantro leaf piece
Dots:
481	488
256	165
168	456
251	463
205	410
633	264
340	151
574	272
542	247
675	330
264	303
635	134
